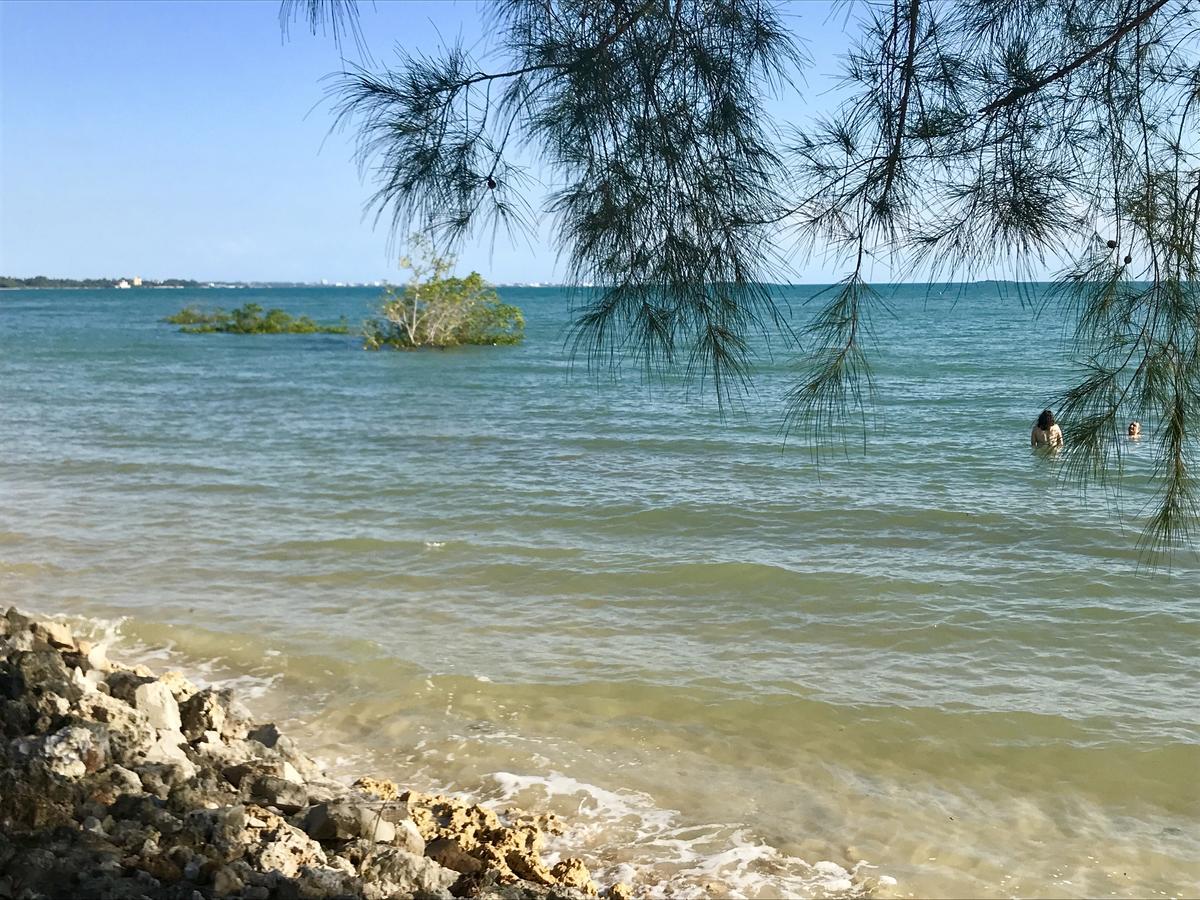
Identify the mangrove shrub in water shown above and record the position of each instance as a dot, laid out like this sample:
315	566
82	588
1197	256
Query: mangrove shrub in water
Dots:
250	319
436	309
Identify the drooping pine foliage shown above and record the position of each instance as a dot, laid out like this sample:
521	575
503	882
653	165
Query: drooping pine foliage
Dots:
975	134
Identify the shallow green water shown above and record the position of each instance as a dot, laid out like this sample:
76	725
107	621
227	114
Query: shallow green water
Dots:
727	667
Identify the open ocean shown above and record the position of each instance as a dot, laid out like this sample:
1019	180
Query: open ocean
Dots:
931	669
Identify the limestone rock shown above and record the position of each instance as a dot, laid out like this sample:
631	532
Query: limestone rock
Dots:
572	873
75	751
343	821
449	853
123	683
511	850
180	686
56	634
16	621
222	831
155	699
285	795
44	671
245	771
129	731
168	749
226	882
302	764
205	791
216	710
619	891
408	837
275	845
394	872
383	789
322	882
160	779
332	822
115	784
267	735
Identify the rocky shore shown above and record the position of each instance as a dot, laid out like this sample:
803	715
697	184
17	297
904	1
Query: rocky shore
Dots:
117	783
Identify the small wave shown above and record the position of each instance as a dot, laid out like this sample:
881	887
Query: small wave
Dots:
647	845
110	633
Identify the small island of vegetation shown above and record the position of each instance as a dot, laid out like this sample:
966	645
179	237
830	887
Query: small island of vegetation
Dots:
436	309
250	319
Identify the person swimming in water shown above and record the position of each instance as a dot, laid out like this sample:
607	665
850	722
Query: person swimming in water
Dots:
1046	432
1135	430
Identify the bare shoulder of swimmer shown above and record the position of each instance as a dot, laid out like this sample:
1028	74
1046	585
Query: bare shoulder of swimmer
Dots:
1055	436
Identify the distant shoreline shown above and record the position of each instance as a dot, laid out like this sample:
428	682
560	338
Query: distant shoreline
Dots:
35	282
175	284
98	287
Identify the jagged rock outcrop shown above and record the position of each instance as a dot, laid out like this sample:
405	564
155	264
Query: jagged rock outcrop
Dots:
115	783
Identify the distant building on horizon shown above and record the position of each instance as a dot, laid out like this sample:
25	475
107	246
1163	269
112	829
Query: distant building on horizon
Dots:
137	280
123	284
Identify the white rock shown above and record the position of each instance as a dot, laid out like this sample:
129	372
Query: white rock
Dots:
22	641
319	882
288	773
375	827
129	732
408	836
81	681
167	750
158	703
69	751
57	634
61	705
97	658
181	687
390	871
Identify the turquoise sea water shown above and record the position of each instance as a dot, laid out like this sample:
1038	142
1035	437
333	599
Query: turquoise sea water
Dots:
928	669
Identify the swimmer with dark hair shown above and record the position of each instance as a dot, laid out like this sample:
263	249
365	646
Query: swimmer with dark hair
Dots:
1046	432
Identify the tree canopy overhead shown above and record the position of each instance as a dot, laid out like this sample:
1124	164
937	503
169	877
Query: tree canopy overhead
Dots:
974	134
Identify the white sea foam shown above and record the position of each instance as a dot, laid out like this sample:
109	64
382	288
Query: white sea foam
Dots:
650	847
111	634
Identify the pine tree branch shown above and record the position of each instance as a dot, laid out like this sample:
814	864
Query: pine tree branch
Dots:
1019	93
907	73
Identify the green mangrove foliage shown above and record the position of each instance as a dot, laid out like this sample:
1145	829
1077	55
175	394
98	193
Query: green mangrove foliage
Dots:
250	319
436	309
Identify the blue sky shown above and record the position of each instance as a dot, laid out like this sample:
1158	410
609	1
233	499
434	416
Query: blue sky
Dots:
189	139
